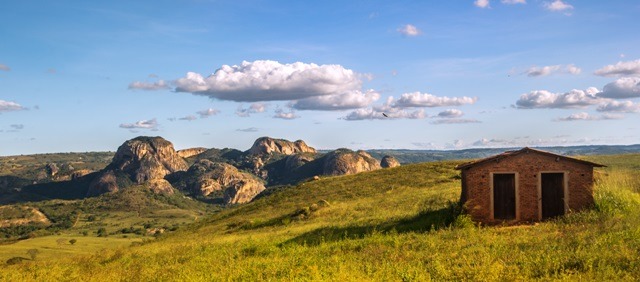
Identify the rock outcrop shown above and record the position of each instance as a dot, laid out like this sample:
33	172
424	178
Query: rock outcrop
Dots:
389	161
186	153
138	160
293	162
146	158
345	161
206	177
160	186
267	145
105	182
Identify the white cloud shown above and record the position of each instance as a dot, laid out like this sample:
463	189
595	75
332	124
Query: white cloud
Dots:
149	86
511	2
417	99
629	68
619	107
481	3
372	113
265	80
455	121
409	30
8	106
625	87
451	113
548	70
253	109
557	6
250	129
207	113
351	100
586	116
144	124
281	114
4	67
188	118
545	99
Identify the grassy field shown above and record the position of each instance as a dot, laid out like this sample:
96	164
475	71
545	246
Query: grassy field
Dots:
399	224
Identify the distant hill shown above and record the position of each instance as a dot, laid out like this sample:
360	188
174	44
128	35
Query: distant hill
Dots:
419	156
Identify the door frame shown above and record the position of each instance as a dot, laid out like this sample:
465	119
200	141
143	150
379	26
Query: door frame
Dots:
517	184
565	190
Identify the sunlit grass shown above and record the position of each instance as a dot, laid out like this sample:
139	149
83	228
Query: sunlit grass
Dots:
397	224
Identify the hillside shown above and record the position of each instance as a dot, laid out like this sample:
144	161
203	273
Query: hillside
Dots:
395	224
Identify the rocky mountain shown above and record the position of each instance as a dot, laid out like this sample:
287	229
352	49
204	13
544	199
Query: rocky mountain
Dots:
137	161
187	153
345	161
268	145
389	161
206	177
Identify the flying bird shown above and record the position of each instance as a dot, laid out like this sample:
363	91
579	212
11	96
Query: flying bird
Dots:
385	115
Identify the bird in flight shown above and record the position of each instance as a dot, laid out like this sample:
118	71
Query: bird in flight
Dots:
385	115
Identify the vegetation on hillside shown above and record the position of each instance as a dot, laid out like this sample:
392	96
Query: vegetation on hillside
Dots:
393	224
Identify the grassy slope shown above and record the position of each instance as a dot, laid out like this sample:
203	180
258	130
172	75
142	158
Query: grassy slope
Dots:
394	224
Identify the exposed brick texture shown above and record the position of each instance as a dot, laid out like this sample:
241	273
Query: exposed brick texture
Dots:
528	165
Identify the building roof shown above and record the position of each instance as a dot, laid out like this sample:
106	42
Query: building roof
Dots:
524	150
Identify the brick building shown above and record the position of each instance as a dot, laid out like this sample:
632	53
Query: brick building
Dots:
525	185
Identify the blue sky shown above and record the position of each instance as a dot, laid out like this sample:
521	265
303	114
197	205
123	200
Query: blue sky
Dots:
86	75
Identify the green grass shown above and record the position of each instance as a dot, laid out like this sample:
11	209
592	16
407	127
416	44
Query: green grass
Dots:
399	224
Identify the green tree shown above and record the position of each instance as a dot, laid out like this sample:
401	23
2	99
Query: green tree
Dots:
102	232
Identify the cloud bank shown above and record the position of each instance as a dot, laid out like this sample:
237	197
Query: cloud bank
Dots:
265	80
630	68
8	106
149	86
143	124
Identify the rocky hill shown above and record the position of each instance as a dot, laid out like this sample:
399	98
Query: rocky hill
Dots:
137	161
206	177
389	161
268	145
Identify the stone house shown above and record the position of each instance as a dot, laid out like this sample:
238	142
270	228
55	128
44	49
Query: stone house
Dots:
525	185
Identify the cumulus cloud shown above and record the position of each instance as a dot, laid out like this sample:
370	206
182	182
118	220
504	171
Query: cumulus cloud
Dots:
548	70
17	126
451	113
587	116
511	2
388	109
188	118
417	99
373	113
455	121
630	68
253	109
481	3
281	114
557	6
624	87
575	98
619	107
350	100
250	129
143	124
4	67
149	86
265	80
8	106
207	113
409	30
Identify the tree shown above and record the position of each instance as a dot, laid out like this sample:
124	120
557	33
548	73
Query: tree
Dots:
102	232
72	241
33	253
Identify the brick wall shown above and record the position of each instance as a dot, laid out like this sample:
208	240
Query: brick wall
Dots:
476	184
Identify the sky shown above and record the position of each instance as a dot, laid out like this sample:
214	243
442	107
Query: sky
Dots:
78	76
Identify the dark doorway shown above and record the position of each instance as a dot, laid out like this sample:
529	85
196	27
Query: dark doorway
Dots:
504	196
552	194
